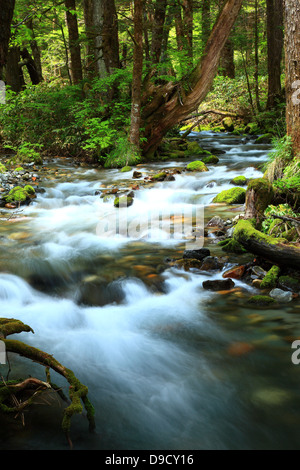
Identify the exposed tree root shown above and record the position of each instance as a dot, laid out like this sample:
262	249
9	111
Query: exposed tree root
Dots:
9	403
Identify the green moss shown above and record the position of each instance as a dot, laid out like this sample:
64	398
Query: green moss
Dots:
159	176
29	189
17	194
239	181
231	196
270	279
261	300
228	124
231	246
264	139
125	169
193	148
289	283
123	201
210	160
19	168
264	193
252	128
244	230
3	168
197	166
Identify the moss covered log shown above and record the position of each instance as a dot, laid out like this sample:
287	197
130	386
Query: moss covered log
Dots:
273	249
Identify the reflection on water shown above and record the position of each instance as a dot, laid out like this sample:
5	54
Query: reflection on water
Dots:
168	364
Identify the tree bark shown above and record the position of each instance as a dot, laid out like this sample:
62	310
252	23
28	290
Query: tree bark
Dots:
134	136
227	60
205	22
14	73
6	16
171	103
292	71
158	30
74	46
275	47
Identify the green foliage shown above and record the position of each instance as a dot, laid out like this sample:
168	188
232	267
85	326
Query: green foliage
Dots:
123	154
279	158
273	225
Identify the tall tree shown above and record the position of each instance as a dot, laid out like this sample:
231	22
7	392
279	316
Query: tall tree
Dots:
6	16
134	136
292	70
275	47
158	30
74	46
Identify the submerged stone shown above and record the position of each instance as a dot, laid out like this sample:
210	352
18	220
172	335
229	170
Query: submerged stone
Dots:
218	284
281	295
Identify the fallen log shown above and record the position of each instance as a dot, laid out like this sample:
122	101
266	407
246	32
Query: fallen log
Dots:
274	249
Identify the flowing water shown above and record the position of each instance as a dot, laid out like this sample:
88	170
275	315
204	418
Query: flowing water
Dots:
159	354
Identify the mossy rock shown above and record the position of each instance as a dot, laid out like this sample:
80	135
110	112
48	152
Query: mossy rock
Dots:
3	168
264	139
159	176
197	166
290	283
231	196
125	169
228	124
252	128
239	181
29	189
17	194
271	278
193	148
123	201
210	160
19	168
261	300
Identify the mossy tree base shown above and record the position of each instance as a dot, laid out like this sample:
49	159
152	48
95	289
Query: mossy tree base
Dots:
77	391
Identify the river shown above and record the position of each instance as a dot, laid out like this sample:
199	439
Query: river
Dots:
156	350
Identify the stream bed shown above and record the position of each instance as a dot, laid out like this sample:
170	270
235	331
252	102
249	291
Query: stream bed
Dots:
168	364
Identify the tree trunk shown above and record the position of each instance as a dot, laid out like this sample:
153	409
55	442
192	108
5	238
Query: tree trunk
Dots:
158	30
31	67
74	46
90	66
188	22
14	74
205	22
36	53
110	36
292	71
227	60
134	136
275	46
170	103
6	15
